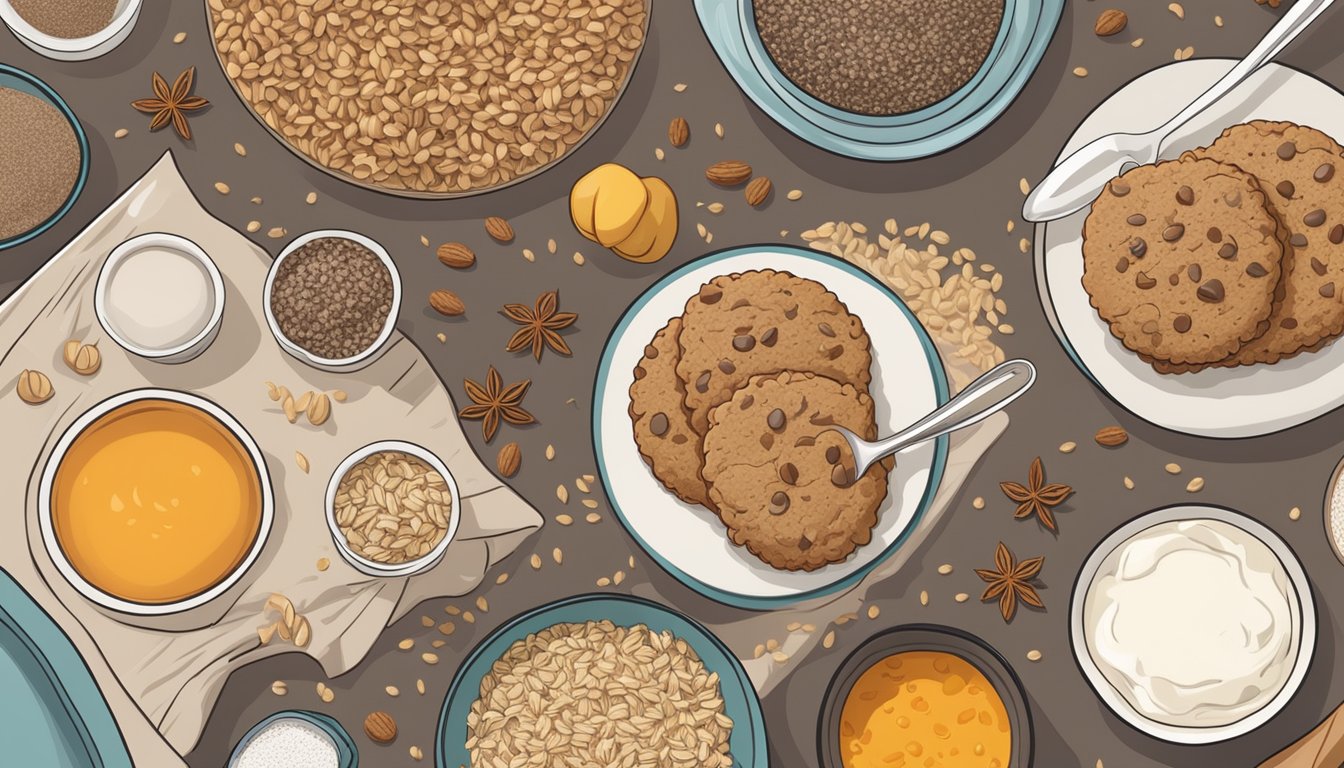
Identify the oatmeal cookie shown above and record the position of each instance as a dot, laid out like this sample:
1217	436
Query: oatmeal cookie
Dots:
662	424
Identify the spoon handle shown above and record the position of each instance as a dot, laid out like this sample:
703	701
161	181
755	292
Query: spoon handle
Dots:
1296	19
985	396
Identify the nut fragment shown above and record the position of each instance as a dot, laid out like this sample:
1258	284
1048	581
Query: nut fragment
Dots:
1112	21
319	410
84	359
34	387
447	303
380	727
728	173
456	255
509	460
499	229
678	132
1112	436
758	191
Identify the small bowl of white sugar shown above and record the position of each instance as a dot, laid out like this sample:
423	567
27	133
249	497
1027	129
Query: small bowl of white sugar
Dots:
295	739
160	296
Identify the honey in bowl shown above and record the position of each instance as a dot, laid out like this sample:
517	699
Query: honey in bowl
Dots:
924	708
156	502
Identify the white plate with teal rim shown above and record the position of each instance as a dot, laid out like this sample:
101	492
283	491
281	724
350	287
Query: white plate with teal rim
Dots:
746	743
1247	401
1023	36
689	541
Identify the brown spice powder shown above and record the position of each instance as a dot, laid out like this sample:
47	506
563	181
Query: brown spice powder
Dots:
39	164
68	19
878	57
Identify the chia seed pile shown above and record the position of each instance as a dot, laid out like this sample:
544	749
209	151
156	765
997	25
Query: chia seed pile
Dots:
39	162
68	19
878	57
332	297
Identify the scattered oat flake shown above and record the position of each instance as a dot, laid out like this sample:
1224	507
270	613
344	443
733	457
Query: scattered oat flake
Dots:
429	657
482	604
416	753
873	611
442	337
254	226
447	628
718	130
1080	71
392	690
828	640
1173	468
578	258
535	560
121	133
255	200
562	493
1177	9
564	519
323	563
221	188
679	87
715	207
468	617
275	233
279	687
529	255
1033	655
1185	53
420	686
658	153
978	502
945	569
1024	245
550	452
590	503
961	597
240	149
618	577
406	644
1294	513
1217	22
923	597
1011	225
1068	447
1024	185
795	194
558	556
581	484
311	198
179	37
593	517
1136	42
301	460
1129	483
1195	485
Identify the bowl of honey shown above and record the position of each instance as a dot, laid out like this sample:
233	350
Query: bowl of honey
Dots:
922	695
154	502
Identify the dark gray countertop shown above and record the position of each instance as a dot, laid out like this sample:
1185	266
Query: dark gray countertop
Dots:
971	192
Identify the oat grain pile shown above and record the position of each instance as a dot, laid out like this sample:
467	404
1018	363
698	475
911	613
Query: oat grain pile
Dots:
878	57
392	507
435	97
600	696
39	162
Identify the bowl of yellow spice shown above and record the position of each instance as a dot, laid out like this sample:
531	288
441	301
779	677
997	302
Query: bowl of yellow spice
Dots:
921	695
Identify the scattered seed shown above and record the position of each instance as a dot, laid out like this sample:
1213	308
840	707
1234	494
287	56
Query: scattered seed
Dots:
279	688
945	569
550	452
873	611
1173	468
310	198
604	582
406	644
978	502
828	640
1024	185
1136	42
1068	447
536	562
179	37
1217	22
420	686
923	597
578	258
323	563
416	753
1195	485
468	617
529	255
1033	655
718	130
1185	53
795	194
562	493
961	597
447	628
593	517
1294	513
558	556
618	577
221	188
121	133
658	153
302	461
429	657
679	87
1080	71
1129	484
590	503
715	207
1177	9
275	233
1024	245
564	519
254	226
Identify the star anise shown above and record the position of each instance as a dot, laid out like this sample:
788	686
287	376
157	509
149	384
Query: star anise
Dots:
494	403
1010	581
171	105
1037	498
541	325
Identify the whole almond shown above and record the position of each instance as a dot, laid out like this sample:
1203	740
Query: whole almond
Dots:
1112	436
728	173
1112	21
758	190
499	229
509	460
319	410
380	727
456	255
447	303
34	387
678	132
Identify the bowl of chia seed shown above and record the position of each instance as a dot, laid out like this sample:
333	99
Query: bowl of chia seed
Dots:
45	159
332	298
881	79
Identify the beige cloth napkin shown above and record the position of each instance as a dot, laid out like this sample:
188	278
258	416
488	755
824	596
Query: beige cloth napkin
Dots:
162	676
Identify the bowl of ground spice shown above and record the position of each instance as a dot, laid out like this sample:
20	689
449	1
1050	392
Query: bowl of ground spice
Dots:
71	30
881	80
45	159
332	299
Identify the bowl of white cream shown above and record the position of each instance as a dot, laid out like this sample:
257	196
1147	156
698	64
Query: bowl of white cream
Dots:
1194	624
161	297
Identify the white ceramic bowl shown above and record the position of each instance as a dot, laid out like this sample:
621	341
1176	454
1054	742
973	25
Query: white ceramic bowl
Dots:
188	349
77	48
379	346
1305	609
67	439
411	567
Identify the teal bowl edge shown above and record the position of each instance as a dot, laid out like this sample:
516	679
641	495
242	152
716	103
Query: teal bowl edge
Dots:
38	87
740	703
347	754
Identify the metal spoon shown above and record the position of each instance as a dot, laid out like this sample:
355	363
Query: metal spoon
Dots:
1077	181
985	396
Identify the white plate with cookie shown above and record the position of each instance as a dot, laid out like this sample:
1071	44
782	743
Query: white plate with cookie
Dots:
1209	401
691	541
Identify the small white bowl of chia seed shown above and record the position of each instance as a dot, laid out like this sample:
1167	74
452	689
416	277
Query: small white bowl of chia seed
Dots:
332	299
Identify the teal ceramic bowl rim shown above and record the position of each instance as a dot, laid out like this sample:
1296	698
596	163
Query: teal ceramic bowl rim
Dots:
753	602
740	700
52	97
62	665
1025	33
347	754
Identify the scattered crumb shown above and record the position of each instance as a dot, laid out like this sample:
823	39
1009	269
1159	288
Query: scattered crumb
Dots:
1136	42
1217	22
442	337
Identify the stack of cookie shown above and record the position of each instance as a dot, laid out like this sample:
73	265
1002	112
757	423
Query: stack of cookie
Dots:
732	406
1232	255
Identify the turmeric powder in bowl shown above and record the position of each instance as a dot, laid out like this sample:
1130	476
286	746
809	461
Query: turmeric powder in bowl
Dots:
920	708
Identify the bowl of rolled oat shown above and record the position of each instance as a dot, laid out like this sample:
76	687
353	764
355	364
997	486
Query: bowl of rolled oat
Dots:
392	509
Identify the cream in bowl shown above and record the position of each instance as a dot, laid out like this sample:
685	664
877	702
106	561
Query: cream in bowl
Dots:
154	501
392	508
1196	623
160	297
